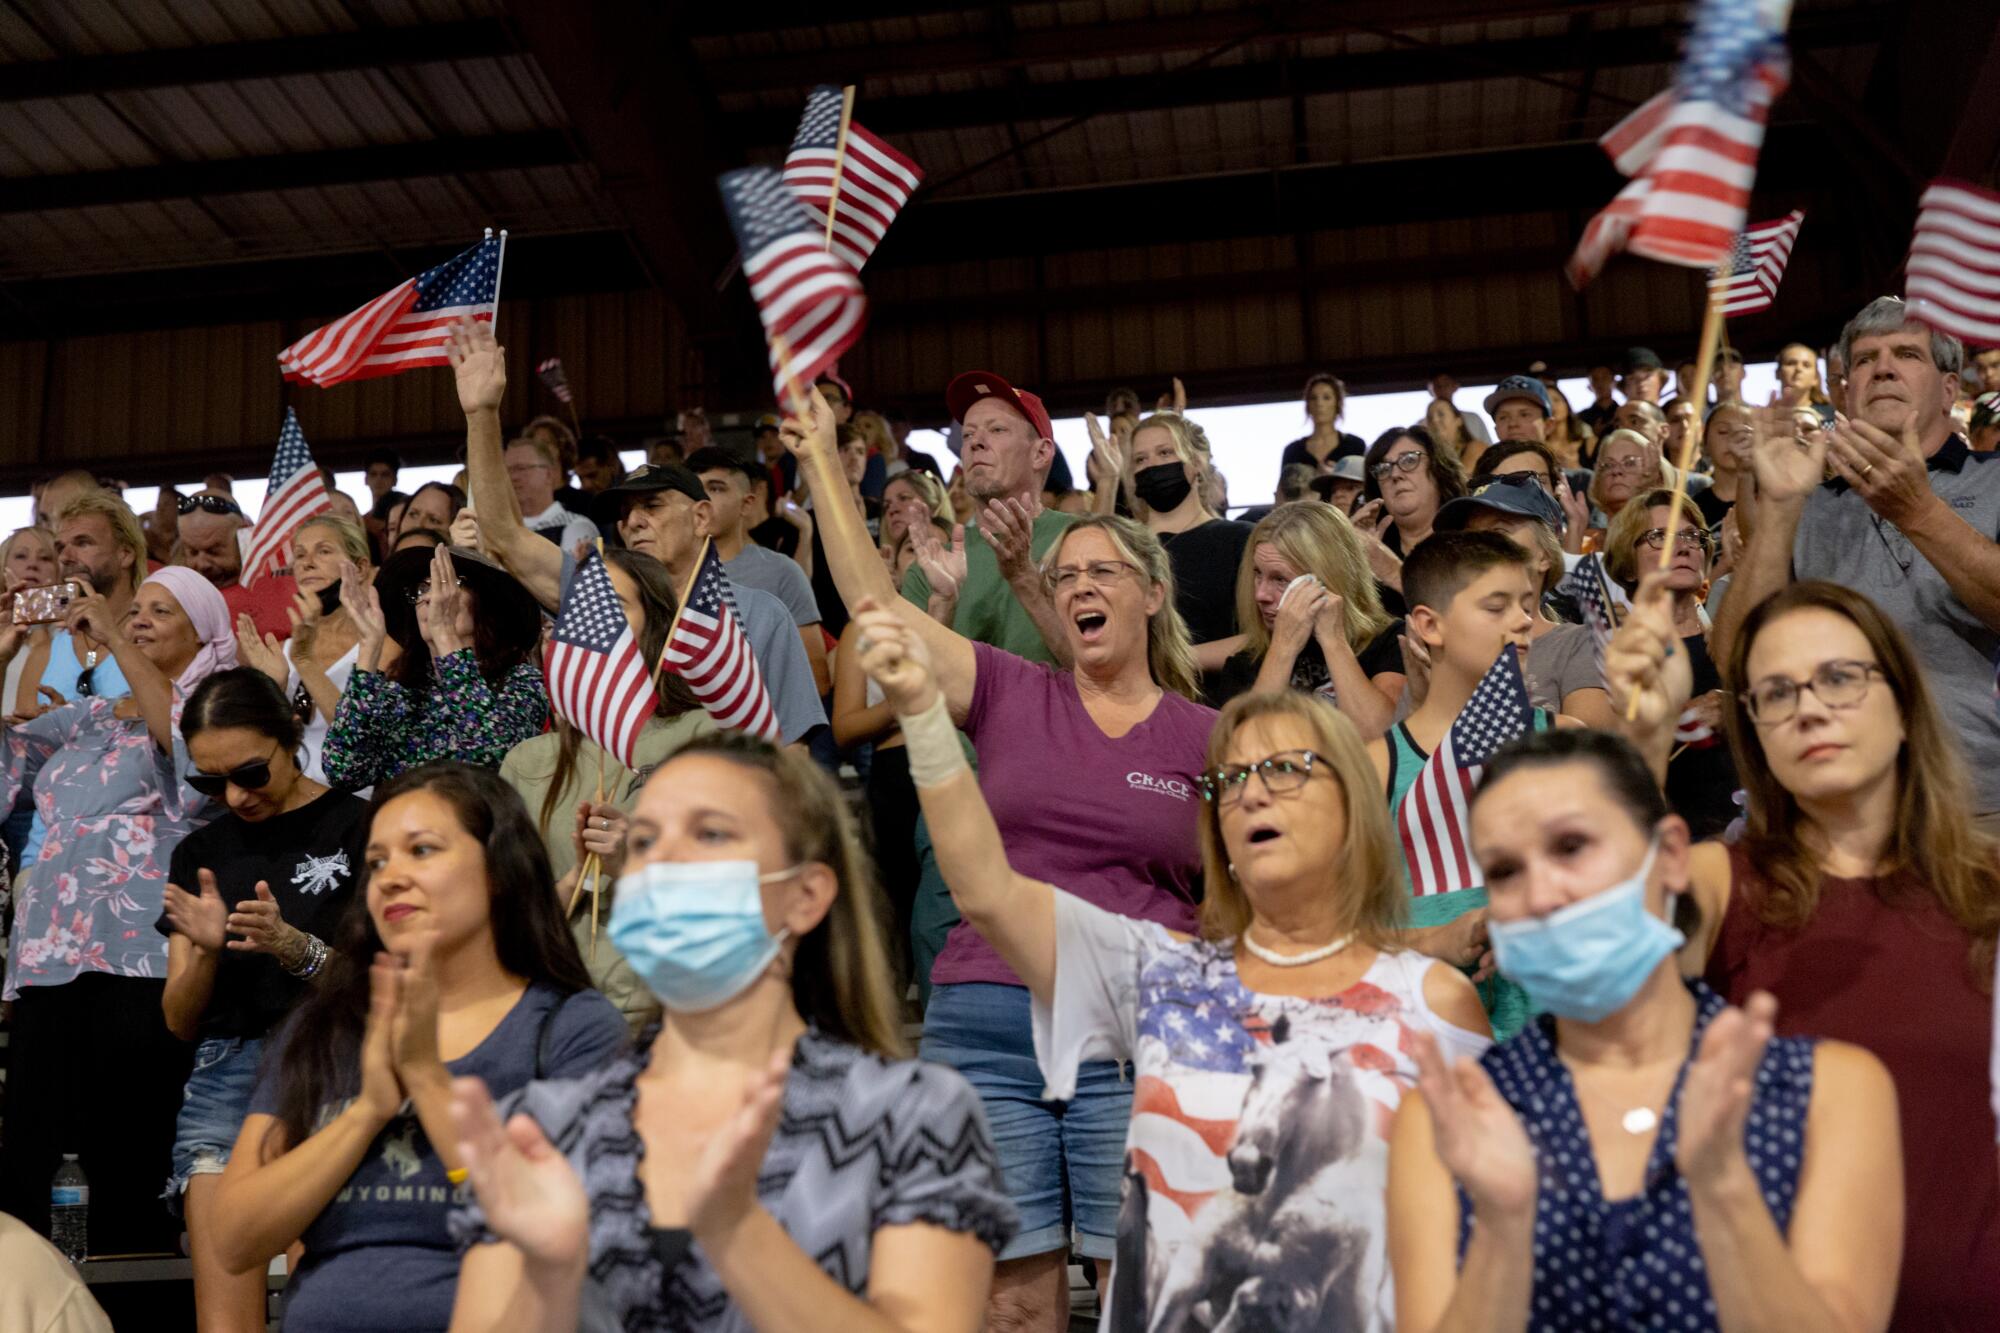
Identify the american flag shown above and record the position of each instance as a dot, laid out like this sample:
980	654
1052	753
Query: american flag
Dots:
596	675
406	326
1433	819
553	378
1954	264
295	492
875	180
1757	265
707	649
1691	151
805	295
1603	603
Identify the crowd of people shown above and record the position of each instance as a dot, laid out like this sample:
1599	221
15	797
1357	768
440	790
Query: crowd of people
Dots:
1537	872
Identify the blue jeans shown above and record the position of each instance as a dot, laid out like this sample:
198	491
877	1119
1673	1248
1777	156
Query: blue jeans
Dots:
1052	1154
213	1108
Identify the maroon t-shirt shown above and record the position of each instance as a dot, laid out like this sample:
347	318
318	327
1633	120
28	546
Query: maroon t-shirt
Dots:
1882	966
1112	821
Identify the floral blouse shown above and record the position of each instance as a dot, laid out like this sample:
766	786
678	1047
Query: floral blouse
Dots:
114	809
380	729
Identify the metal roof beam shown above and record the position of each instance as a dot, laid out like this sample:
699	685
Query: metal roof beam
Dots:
288	171
237	62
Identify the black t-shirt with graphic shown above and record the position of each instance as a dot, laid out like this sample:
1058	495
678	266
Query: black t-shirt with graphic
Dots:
311	858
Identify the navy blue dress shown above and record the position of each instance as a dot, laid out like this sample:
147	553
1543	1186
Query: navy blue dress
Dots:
1635	1264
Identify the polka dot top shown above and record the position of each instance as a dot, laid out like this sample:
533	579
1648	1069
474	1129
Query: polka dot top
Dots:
1635	1263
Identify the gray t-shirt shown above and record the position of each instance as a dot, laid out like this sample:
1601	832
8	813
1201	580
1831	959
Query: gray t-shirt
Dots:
781	658
1843	541
779	575
1560	663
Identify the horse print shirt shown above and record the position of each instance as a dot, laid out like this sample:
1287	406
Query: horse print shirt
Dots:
1258	1158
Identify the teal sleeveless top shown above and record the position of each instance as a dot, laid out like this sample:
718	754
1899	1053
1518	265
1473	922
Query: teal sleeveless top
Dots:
1506	1003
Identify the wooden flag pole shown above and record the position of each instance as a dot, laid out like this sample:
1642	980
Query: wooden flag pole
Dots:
1704	366
839	159
574	424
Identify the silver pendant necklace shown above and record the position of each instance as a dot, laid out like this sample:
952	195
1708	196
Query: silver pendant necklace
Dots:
1276	959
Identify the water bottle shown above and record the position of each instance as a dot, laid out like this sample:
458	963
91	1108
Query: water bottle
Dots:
69	1209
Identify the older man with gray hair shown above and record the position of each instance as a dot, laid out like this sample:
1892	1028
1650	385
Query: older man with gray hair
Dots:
1910	518
209	540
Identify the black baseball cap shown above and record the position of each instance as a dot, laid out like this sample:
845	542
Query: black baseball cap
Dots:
1642	358
651	477
1522	498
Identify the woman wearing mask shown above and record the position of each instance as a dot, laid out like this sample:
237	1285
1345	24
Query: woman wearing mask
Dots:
1131	740
465	684
1641	1156
767	1160
1860	894
266	885
453	963
1270	1049
564	776
1409	480
1312	619
1169	457
83	964
1326	443
314	664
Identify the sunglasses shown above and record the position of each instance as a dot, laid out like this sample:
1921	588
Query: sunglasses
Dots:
418	591
208	504
254	776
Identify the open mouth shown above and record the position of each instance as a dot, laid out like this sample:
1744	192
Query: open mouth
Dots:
1090	625
1262	834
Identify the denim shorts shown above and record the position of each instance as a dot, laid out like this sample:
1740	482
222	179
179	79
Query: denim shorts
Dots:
1063	1161
213	1108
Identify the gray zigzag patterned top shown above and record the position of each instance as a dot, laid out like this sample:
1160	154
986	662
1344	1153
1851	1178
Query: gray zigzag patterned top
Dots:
862	1143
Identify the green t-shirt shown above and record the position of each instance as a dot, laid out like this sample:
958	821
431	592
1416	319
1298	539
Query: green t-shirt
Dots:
988	611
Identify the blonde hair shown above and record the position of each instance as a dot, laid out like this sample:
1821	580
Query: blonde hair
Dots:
1169	654
928	488
874	428
1314	539
352	539
548	453
1364	876
7	547
1621	540
1190	445
124	524
1664	479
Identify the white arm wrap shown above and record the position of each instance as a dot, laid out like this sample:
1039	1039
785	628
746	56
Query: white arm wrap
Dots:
932	743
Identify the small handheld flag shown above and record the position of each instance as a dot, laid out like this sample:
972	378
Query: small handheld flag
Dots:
295	492
807	296
1434	819
856	186
707	649
1954	264
553	379
1749	281
597	677
406	326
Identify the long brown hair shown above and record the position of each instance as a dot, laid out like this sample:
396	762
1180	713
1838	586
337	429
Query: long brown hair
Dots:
1364	875
1169	653
1934	837
841	981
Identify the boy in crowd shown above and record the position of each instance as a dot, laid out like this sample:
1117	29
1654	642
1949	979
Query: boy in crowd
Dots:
1470	594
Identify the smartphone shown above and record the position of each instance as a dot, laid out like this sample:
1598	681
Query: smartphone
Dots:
42	606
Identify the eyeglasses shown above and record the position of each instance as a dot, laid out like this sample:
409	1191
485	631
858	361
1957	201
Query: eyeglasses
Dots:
1064	577
253	776
207	504
1540	479
1656	538
1837	684
1621	465
1408	462
418	591
1283	773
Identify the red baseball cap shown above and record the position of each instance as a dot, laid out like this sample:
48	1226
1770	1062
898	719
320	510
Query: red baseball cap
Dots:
974	385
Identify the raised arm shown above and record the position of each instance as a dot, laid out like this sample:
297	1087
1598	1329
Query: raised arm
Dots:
1787	469
1015	914
1644	656
480	365
90	616
858	572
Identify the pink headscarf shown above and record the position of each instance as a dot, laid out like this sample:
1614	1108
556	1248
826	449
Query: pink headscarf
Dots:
209	615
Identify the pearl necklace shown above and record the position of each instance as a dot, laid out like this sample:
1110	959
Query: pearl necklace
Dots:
1276	959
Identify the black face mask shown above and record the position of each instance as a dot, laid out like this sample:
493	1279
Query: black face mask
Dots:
329	598
1162	487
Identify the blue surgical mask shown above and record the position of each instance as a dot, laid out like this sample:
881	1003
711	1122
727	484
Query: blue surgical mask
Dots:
1587	960
694	930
